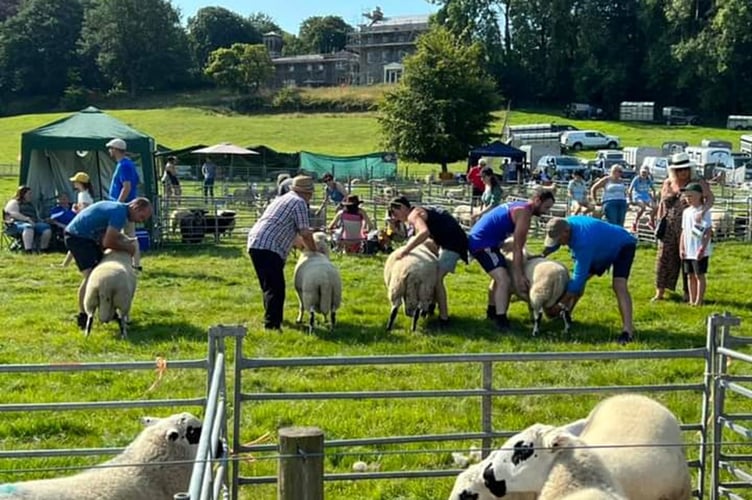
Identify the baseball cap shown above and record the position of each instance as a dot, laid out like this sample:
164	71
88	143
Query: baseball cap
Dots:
117	144
554	229
81	177
693	187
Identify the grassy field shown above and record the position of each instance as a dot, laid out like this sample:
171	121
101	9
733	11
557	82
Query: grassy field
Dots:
184	291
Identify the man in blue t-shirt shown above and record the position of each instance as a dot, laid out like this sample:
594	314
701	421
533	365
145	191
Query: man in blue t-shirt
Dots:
124	185
595	246
96	228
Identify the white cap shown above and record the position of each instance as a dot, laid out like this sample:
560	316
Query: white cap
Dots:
117	144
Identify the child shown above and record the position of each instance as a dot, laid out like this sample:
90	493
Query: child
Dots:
84	198
642	194
694	245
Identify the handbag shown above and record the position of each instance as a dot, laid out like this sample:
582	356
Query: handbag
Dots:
660	229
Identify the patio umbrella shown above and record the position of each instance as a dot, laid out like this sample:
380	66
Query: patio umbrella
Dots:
225	148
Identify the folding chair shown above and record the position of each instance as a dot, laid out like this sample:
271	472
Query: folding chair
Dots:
353	237
11	236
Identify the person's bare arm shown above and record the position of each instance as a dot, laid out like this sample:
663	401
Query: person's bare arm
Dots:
416	218
307	236
335	220
369	225
598	186
124	191
14	211
521	219
116	240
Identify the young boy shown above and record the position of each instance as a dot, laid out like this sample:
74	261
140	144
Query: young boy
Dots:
694	246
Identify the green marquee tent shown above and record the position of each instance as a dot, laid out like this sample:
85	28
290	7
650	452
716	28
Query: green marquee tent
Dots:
52	153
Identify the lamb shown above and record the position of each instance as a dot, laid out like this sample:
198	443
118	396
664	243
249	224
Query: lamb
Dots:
464	215
411	280
577	472
636	437
318	283
470	485
155	466
548	283
110	288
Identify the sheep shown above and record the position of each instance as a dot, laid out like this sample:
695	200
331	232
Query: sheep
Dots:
548	283
222	223
577	472
155	466
636	437
470	485
176	216
318	283
463	214
110	288
411	280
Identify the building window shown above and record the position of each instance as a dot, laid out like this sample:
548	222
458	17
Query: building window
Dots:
291	68
370	57
309	67
384	56
321	67
340	65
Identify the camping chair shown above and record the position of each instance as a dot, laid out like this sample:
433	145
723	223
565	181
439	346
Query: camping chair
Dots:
11	236
352	234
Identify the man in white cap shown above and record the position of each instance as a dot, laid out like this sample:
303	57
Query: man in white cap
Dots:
124	186
595	246
270	240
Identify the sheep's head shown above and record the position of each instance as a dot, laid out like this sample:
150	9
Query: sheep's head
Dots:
470	484
178	433
522	464
321	240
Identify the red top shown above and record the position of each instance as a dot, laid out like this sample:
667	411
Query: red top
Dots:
473	175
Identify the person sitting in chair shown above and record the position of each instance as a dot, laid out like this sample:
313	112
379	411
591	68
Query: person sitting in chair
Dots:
353	224
22	215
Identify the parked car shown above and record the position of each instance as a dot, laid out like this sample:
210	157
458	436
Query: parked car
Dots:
679	116
588	139
657	165
562	168
581	111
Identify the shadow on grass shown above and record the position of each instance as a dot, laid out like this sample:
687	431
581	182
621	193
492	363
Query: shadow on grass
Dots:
349	333
191	274
188	250
145	331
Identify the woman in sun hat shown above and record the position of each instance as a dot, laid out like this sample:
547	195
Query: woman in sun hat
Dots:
351	224
671	205
270	240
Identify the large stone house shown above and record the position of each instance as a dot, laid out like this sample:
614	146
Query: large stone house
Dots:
383	44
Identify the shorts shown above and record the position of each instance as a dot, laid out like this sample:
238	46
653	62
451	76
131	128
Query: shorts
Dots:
86	252
490	259
641	197
448	260
695	266
623	263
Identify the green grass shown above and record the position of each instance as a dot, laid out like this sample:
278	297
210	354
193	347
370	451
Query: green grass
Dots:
184	291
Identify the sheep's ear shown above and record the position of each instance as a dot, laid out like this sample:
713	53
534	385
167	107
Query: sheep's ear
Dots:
557	440
149	421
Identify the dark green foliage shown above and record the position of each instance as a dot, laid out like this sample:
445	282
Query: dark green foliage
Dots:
442	106
322	35
217	27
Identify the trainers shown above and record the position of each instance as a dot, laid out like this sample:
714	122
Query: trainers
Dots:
81	320
624	338
502	323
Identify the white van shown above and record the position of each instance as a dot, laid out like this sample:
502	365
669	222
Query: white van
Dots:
739	122
745	144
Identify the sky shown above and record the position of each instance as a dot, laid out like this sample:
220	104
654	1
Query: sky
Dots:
288	14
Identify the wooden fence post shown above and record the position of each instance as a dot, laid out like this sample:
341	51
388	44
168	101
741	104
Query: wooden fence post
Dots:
301	464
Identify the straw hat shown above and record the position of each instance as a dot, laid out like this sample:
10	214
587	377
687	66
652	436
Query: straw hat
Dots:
81	177
302	184
680	160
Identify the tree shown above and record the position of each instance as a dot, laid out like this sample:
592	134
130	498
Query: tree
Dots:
442	106
216	27
8	9
292	45
264	23
38	47
137	44
243	67
322	35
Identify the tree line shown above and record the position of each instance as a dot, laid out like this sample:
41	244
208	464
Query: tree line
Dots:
548	52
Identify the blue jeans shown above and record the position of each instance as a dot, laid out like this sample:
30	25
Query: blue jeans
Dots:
38	227
615	211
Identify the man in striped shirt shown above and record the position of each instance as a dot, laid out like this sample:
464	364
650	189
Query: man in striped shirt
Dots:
270	240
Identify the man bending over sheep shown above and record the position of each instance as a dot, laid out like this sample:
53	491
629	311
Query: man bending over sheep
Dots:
96	228
270	240
444	230
595	246
485	240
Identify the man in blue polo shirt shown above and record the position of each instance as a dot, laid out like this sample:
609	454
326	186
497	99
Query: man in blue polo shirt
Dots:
595	246
97	227
124	185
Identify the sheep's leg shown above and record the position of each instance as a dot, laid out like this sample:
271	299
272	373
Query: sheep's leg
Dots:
392	317
123	324
311	321
333	320
566	316
299	319
89	323
537	317
416	315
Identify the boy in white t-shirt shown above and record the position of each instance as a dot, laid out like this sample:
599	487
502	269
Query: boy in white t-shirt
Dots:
694	245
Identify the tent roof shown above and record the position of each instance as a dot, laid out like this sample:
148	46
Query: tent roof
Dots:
90	124
498	148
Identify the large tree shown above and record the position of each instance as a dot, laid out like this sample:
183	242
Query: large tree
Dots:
442	106
216	27
138	44
243	67
8	8
264	23
321	35
38	47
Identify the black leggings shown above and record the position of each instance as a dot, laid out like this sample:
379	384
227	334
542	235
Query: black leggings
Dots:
269	268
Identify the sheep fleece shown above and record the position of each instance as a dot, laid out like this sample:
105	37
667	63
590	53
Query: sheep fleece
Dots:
111	286
170	439
413	278
470	483
317	283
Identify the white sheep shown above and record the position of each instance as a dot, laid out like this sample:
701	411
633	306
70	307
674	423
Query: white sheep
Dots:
577	472
411	281
318	283
110	288
637	438
548	283
464	215
155	466
470	485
